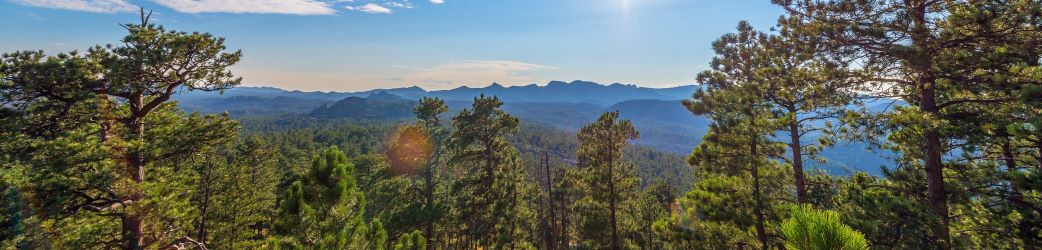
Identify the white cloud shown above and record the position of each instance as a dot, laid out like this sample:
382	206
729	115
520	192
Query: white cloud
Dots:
294	7
404	5
96	6
370	8
437	1
475	73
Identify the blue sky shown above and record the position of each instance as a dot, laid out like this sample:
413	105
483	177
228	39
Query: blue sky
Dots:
350	45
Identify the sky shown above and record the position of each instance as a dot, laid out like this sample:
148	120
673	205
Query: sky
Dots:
354	45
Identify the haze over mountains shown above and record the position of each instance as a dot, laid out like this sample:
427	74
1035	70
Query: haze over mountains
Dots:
554	91
664	123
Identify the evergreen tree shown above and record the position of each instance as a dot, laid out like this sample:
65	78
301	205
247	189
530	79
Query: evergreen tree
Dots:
427	113
808	90
493	198
611	181
107	96
738	139
325	209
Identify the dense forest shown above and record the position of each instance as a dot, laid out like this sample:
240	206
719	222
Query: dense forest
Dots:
98	154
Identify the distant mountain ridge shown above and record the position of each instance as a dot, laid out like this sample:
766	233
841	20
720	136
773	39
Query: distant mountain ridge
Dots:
554	91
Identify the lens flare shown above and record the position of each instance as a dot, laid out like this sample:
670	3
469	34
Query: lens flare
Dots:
408	150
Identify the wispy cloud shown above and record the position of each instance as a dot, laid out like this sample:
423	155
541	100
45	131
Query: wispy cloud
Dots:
370	8
294	7
474	73
96	6
36	17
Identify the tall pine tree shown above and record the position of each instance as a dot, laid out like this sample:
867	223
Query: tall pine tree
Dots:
493	197
611	181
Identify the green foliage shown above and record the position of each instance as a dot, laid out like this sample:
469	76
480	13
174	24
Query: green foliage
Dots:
411	241
236	197
325	208
811	229
891	214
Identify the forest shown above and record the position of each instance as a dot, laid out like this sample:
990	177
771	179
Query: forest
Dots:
98	153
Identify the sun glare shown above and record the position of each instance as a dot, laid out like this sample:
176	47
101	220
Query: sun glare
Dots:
625	7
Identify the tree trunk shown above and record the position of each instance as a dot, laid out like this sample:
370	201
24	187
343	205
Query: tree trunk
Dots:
550	202
204	206
1016	199
1038	147
103	112
761	232
934	168
565	221
132	228
428	231
131	225
135	158
611	197
797	159
922	65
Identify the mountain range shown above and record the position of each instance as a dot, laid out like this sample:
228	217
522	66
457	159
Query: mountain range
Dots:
664	123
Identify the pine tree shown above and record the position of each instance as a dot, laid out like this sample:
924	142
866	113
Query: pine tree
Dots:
325	209
117	90
492	197
808	90
427	113
734	99
611	181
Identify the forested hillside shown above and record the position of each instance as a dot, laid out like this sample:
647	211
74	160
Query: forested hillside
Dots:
121	147
665	124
